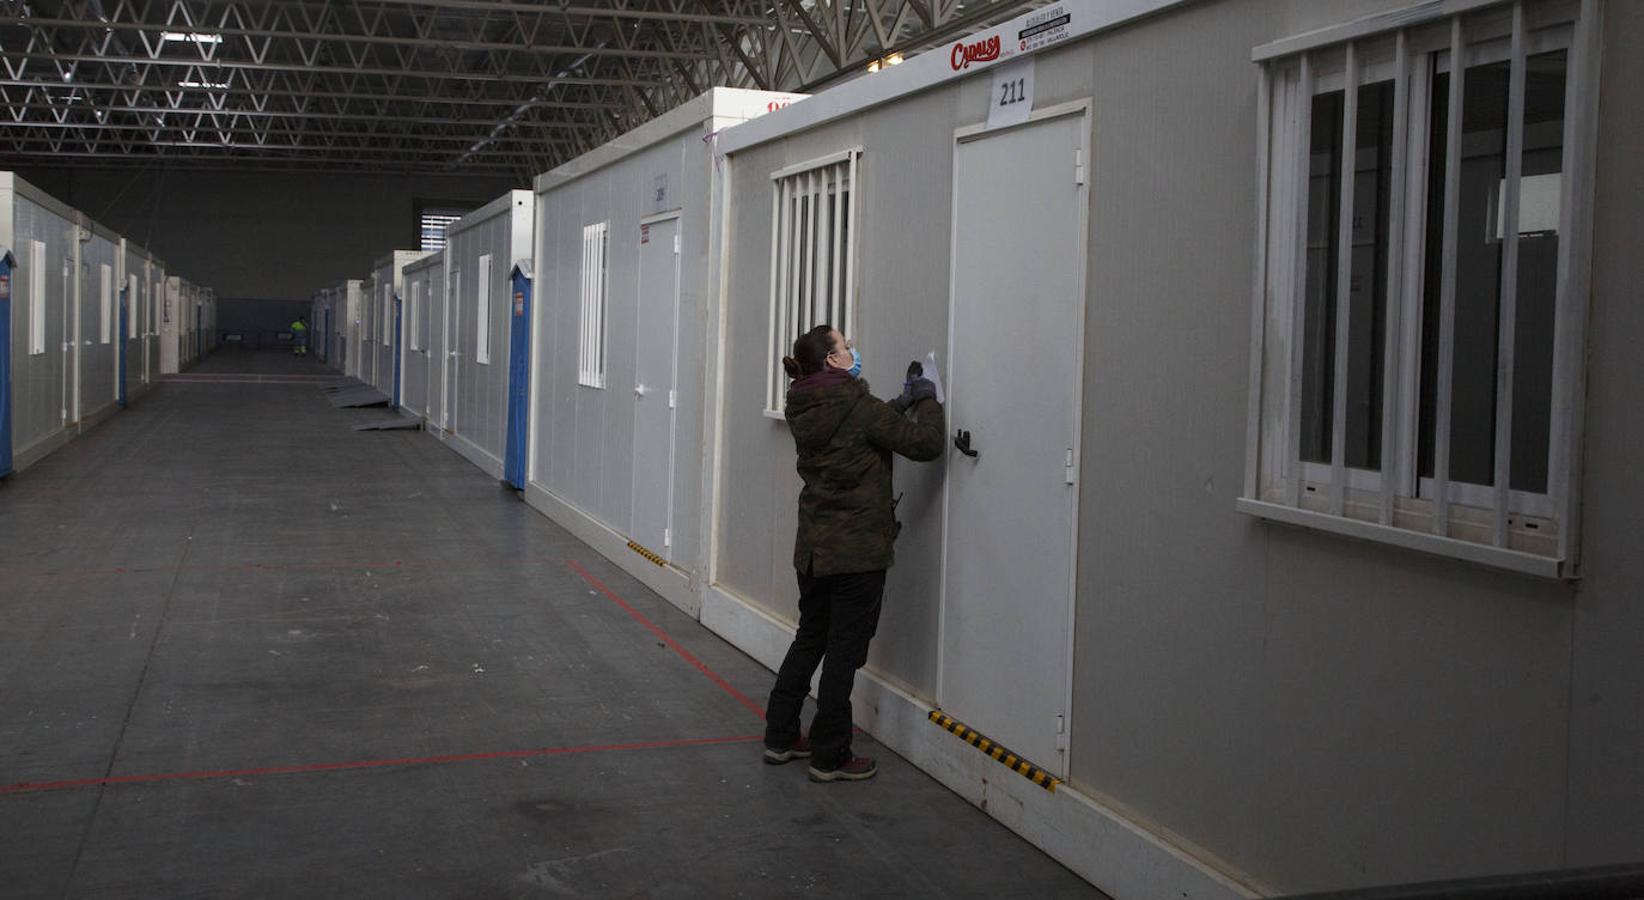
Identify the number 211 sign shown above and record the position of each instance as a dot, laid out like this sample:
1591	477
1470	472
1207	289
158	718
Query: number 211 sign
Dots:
1012	98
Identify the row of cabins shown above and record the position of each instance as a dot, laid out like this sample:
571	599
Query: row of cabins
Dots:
89	320
1295	341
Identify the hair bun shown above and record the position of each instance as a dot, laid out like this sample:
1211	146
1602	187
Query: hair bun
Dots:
791	366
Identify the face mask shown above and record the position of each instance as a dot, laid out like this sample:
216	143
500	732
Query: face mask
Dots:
855	371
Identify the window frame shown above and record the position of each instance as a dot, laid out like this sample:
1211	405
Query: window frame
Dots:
482	311
133	305
105	303
593	326
413	334
388	314
37	298
1491	524
794	282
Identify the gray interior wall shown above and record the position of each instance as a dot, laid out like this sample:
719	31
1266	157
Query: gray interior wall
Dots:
1313	711
583	434
481	396
1606	803
264	235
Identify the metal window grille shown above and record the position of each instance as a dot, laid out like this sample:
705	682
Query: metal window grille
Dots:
813	258
482	313
596	246
1397	313
432	228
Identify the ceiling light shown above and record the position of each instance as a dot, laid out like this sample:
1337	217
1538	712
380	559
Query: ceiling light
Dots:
220	85
873	65
895	59
190	37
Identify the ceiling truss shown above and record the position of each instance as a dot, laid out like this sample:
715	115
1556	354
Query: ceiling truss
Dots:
475	87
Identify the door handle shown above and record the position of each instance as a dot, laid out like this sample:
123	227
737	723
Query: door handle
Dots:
961	440
639	390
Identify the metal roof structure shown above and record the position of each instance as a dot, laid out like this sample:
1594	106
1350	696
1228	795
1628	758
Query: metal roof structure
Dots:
483	87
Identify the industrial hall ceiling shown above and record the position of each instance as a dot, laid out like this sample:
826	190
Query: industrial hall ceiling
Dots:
484	87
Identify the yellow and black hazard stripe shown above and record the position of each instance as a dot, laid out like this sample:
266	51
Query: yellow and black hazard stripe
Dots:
637	548
976	739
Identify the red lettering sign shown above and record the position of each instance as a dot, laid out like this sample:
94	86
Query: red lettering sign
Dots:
964	54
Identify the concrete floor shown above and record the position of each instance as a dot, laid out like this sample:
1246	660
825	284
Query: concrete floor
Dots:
458	698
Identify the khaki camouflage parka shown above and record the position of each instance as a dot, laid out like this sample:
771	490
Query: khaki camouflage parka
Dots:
845	437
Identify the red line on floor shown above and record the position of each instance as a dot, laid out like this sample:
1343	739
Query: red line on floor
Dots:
318	566
666	638
309	768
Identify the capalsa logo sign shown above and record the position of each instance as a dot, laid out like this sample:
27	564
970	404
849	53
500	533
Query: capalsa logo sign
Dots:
985	50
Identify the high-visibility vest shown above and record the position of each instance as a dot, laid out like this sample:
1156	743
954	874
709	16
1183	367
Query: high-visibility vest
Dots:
298	328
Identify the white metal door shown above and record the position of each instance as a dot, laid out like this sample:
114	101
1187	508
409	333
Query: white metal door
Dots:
655	396
1016	352
453	324
71	343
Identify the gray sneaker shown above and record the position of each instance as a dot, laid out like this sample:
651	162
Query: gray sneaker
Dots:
857	768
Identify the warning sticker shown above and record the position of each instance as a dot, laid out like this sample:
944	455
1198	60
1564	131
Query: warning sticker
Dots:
519	303
1044	28
5	285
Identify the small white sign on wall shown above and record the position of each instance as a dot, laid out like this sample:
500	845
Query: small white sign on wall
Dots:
1012	98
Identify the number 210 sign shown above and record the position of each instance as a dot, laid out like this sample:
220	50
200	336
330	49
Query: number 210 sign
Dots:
1012	98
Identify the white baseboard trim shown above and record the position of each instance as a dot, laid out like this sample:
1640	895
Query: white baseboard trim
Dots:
672	584
23	457
476	454
1094	840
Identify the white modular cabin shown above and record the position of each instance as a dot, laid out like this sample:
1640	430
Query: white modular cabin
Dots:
1225	605
208	320
346	343
623	282
369	322
171	304
424	305
79	338
481	249
389	289
320	327
42	235
135	279
152	319
99	307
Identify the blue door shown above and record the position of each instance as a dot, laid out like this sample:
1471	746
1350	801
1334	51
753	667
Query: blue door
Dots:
6	262
519	376
120	351
398	352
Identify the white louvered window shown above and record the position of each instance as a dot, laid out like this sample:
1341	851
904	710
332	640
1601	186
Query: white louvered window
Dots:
482	312
388	314
413	334
105	296
37	298
1418	331
813	258
133	306
596	245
